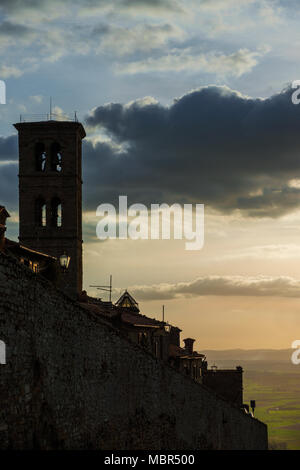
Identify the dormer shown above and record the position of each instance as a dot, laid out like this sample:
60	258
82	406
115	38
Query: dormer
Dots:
127	301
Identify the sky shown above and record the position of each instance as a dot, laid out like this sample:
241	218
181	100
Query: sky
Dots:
183	101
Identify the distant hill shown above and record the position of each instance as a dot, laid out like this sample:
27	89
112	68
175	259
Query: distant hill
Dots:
281	355
253	359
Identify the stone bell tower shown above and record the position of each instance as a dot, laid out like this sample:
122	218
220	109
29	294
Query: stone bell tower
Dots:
50	193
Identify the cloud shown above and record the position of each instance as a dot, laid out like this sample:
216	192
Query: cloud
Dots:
33	11
39	34
9	148
36	98
12	32
142	37
9	185
48	30
9	172
261	286
132	7
271	12
156	4
213	146
234	64
220	5
280	251
7	71
45	10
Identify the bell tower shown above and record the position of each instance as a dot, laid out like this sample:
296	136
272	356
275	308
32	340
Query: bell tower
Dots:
50	193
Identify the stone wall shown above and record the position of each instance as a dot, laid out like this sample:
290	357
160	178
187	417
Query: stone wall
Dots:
71	381
226	382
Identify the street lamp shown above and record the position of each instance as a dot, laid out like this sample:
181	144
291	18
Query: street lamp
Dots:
167	327
64	261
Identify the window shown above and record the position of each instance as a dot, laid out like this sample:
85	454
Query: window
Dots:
40	212
56	158
35	267
142	339
56	215
40	157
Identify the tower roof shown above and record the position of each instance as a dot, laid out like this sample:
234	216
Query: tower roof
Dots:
47	124
127	301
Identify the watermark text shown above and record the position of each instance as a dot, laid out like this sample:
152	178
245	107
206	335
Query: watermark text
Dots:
2	352
296	354
160	222
2	92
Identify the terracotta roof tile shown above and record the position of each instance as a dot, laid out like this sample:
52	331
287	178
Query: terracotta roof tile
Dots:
139	320
177	351
15	246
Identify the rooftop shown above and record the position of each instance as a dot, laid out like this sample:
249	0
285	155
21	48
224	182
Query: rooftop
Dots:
48	117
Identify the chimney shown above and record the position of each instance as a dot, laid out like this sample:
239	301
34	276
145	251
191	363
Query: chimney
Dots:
188	345
3	216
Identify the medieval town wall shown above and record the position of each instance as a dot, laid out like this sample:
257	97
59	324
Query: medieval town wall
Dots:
72	381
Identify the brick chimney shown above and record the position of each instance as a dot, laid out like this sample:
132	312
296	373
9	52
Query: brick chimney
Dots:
188	345
3	216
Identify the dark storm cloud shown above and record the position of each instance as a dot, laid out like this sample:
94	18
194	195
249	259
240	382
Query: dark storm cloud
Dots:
13	6
211	146
8	148
11	29
9	186
9	172
137	5
153	4
9	6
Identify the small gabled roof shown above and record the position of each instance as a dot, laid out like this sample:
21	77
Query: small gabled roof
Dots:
17	248
127	301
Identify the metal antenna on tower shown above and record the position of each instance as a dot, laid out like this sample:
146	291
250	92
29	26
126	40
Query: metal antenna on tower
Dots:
106	288
50	108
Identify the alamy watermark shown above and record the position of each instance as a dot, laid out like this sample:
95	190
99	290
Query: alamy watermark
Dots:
2	92
296	354
295	358
160	222
295	95
2	352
